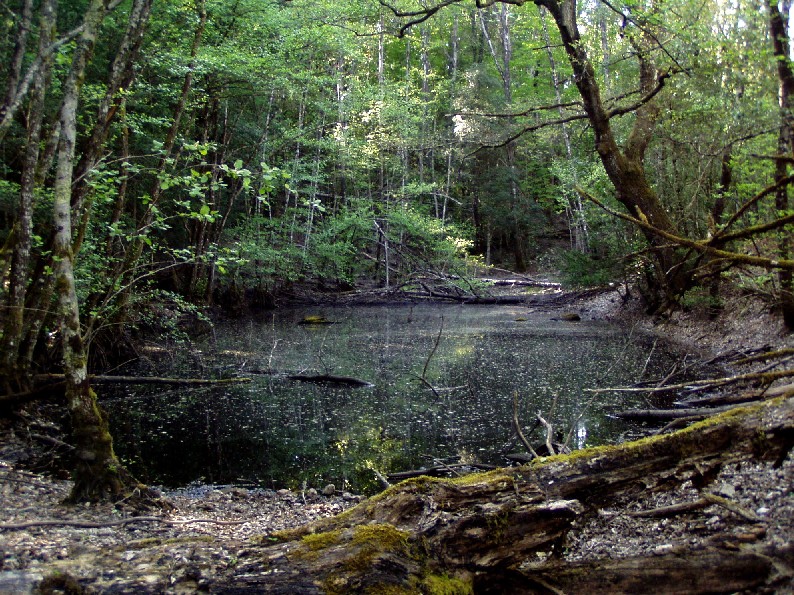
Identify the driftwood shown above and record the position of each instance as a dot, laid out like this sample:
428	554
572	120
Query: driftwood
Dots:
475	534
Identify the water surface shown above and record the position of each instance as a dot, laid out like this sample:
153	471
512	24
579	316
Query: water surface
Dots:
444	379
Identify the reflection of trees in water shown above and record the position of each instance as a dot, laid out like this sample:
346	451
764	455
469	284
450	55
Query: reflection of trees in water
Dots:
282	433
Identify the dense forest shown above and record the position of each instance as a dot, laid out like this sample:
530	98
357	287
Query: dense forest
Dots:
161	157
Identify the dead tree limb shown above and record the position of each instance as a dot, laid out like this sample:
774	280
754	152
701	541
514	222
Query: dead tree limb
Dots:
763	377
94	525
517	426
98	378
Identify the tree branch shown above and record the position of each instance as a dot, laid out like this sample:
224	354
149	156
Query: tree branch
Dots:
699	246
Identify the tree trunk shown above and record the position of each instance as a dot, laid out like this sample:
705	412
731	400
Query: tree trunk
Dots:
98	473
12	366
624	166
477	534
577	222
778	27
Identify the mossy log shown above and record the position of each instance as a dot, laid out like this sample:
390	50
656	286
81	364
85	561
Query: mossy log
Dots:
472	534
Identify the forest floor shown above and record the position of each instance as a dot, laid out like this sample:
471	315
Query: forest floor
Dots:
204	533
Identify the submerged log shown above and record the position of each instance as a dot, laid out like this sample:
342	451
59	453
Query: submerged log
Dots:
51	384
331	379
476	534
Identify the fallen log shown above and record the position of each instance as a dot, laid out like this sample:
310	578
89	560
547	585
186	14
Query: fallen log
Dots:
348	381
99	378
668	414
732	399
687	570
440	471
484	533
520	283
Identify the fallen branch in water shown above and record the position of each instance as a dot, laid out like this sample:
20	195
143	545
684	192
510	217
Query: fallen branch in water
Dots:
735	399
547	425
517	427
668	414
95	525
98	378
766	377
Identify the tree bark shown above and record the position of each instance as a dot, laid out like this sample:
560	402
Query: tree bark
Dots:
778	28
12	365
98	473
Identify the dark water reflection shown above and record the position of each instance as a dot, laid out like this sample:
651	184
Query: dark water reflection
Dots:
279	433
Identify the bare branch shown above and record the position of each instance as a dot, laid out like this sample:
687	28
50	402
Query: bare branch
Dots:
526	112
749	203
417	17
526	129
656	40
660	80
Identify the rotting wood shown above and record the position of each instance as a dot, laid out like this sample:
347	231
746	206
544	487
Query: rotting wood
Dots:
440	471
703	570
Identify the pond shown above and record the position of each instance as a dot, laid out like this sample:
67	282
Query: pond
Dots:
443	384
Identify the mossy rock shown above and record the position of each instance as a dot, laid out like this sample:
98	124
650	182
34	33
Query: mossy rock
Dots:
315	319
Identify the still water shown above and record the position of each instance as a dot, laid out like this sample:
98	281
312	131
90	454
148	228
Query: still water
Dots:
443	380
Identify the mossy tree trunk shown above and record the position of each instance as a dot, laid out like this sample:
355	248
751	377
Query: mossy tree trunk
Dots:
98	473
12	362
503	531
778	28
